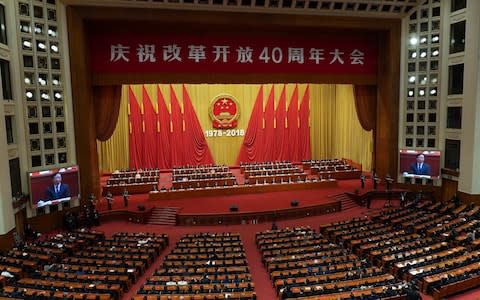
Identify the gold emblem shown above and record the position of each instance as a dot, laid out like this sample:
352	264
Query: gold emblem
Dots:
224	112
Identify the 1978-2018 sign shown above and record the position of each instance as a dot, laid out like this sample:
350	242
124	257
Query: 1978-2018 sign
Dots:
227	132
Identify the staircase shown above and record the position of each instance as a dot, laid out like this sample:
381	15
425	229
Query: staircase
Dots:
346	201
163	216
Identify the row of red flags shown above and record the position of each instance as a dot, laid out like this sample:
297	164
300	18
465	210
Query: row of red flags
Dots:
166	139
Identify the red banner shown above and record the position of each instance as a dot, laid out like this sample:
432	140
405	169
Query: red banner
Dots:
153	52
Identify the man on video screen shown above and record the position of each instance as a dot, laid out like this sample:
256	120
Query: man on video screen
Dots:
58	189
420	167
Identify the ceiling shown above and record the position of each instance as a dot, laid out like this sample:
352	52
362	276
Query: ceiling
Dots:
359	8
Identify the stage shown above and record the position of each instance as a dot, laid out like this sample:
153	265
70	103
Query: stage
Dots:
240	190
247	203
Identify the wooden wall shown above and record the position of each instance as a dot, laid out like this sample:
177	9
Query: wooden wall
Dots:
6	241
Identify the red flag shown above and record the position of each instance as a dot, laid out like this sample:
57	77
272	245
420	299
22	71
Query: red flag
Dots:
135	141
177	131
281	148
305	150
163	135
292	128
196	148
150	132
269	130
253	140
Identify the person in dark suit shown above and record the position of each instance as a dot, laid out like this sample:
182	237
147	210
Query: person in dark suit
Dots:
58	189
109	198
125	198
362	181
420	167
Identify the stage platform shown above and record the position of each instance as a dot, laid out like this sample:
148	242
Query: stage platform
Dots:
312	197
240	190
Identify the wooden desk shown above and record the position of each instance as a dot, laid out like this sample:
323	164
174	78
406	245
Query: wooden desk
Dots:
203	183
262	179
240	190
270	172
139	188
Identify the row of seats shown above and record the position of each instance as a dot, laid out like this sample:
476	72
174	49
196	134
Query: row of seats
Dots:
201	176
324	162
204	183
436	264
132	180
376	256
202	266
269	172
199	169
134	173
309	265
267	165
90	266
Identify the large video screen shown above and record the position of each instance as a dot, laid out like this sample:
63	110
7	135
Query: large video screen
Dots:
420	164
53	186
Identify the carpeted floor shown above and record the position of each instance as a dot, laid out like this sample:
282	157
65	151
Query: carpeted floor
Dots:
260	276
246	203
249	202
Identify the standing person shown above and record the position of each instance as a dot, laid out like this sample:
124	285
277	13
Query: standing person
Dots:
58	189
388	180
402	198
125	198
109	198
92	201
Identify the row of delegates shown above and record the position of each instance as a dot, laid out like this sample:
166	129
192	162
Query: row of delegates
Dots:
185	185
199	167
282	179
264	162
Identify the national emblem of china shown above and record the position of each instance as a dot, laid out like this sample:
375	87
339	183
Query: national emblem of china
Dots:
224	112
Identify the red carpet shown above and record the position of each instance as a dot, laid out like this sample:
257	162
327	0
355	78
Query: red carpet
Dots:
260	276
251	202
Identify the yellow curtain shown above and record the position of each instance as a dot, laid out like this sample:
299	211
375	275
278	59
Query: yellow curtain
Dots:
350	139
335	129
113	153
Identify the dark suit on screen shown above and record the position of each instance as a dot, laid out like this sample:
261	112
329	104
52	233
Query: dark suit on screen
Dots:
62	192
424	169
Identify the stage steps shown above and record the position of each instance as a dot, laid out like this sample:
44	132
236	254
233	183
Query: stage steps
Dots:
164	216
347	202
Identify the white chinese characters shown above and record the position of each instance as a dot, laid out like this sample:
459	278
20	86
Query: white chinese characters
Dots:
226	54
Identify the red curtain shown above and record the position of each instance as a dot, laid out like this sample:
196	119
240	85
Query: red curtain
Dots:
135	132
176	131
304	132
107	107
292	128
149	132
195	145
252	142
164	158
281	148
269	128
365	105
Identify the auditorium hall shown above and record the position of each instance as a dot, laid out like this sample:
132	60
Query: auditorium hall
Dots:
239	149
